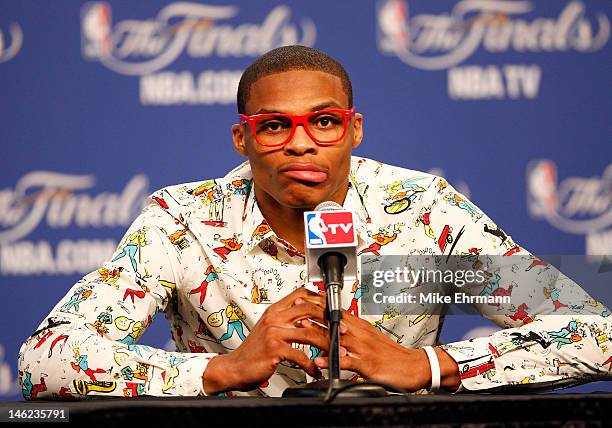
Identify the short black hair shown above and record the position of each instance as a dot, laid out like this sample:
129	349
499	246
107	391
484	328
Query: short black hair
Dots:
288	58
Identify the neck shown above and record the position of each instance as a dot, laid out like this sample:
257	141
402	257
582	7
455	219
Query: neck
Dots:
287	222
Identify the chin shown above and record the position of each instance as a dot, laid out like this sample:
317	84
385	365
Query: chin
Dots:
303	198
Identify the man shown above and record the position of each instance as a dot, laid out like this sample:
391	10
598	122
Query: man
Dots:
298	128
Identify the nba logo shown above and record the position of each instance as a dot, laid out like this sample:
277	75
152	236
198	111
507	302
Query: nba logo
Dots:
393	34
329	229
542	195
96	31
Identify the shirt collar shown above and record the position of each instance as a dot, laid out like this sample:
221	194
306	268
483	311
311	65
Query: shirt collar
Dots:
255	228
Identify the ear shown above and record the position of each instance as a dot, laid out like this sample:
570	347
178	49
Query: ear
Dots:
357	130
239	139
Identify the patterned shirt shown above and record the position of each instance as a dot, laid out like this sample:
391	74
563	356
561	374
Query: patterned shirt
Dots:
203	254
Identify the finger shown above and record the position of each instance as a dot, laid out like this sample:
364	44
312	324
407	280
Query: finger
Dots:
355	326
322	331
343	327
298	357
317	300
301	311
310	323
309	336
325	355
307	323
346	363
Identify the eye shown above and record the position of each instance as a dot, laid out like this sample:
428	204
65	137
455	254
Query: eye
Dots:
272	126
326	121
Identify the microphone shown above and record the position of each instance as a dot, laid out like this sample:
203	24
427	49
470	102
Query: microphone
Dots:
331	257
331	243
331	246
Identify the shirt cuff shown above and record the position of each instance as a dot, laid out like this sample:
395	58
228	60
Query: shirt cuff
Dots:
476	364
193	385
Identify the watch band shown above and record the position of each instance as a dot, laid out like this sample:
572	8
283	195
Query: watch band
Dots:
435	368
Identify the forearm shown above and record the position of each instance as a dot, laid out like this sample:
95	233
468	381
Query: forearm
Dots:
77	363
529	357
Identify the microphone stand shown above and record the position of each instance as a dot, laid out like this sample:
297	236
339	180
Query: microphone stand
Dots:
332	266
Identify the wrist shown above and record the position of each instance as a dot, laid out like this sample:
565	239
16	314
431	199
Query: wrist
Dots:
449	371
434	378
214	378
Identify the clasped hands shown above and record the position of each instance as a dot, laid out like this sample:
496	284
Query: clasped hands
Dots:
363	349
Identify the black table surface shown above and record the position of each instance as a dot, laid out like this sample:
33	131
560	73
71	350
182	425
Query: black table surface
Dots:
592	409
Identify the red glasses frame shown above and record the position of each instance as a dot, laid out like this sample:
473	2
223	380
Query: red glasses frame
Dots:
295	121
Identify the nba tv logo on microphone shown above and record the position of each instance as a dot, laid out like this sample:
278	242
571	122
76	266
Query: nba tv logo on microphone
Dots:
330	231
325	229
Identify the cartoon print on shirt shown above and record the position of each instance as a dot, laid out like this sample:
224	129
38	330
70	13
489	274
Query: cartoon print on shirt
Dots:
211	195
520	314
140	372
84	388
424	218
80	295
402	195
239	187
382	238
133	389
569	334
446	238
131	245
389	313
229	245
552	293
260	231
538	263
235	322
110	276
492	283
472	256
124	323
30	390
419	318
558	364
441	184
204	333
454	199
357	290
269	247
475	367
179	238
495	231
210	275
259	295
41	340
82	364
608	361
171	373
103	320
600	336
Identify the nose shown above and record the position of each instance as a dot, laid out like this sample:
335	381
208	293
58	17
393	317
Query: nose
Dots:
301	143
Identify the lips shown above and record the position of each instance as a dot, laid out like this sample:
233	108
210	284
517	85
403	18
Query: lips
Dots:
305	172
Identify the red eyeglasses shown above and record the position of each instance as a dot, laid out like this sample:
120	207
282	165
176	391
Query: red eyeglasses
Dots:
325	127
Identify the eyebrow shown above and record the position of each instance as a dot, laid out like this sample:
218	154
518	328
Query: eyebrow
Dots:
324	105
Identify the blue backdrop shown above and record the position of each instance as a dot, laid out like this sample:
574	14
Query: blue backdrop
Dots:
103	102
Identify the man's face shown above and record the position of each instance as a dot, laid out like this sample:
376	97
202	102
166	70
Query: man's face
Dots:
300	174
